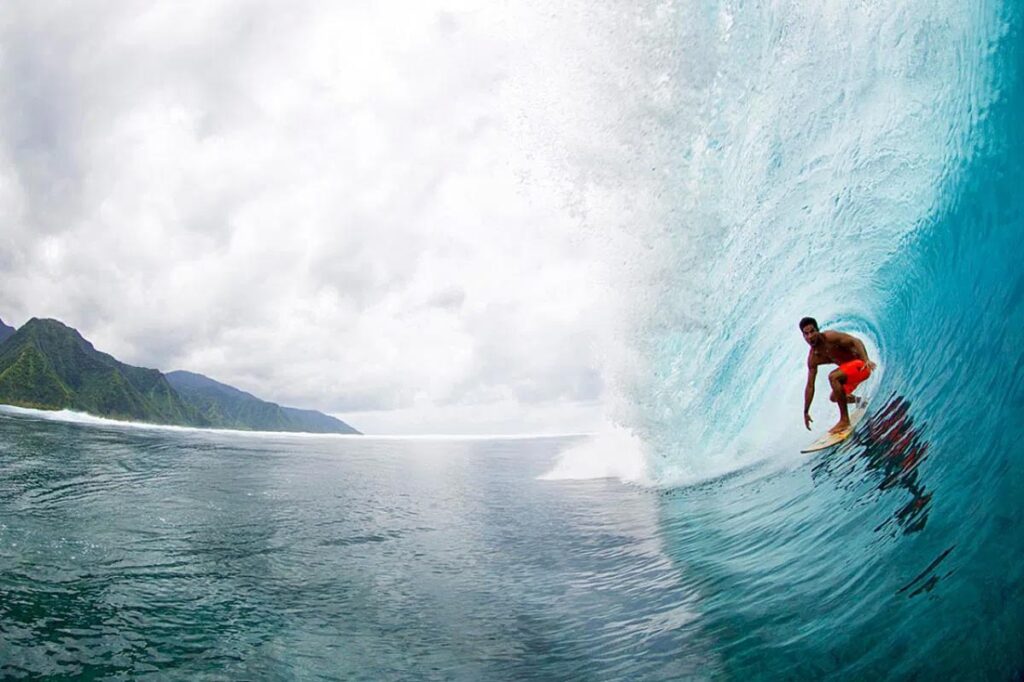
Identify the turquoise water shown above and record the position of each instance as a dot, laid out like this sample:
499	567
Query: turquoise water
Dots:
859	164
898	555
126	552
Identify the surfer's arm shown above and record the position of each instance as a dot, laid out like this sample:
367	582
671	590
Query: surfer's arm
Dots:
812	372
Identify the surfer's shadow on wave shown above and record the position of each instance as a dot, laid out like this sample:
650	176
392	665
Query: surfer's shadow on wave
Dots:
881	457
885	452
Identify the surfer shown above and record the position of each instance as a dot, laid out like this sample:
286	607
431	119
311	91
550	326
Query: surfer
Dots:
834	348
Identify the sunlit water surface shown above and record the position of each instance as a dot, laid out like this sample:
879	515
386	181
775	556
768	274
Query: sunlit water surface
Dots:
126	551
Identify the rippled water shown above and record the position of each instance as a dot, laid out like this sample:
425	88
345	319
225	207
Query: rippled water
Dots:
855	162
128	551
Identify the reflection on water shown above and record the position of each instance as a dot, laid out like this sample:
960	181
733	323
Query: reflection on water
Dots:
889	450
831	569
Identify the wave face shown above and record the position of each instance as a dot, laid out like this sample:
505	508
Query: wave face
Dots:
859	164
827	147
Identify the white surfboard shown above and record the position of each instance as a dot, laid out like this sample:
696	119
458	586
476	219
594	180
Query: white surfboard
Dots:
830	439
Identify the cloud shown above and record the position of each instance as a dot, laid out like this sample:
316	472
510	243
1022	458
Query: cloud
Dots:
328	204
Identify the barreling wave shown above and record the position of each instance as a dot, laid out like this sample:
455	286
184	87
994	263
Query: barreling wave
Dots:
860	164
830	147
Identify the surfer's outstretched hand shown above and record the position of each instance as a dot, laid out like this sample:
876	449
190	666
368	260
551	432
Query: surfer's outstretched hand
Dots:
807	420
871	366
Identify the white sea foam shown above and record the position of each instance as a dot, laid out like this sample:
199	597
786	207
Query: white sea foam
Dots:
613	453
73	417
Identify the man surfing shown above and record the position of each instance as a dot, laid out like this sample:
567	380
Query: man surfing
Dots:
834	348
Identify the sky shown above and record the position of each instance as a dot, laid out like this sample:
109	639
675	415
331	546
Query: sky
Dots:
392	212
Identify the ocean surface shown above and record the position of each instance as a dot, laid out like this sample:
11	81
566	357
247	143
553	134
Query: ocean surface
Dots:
128	552
857	162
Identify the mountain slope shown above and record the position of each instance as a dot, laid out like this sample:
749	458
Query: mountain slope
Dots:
46	364
226	406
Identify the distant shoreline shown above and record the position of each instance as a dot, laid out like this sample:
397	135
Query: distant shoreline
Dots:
47	365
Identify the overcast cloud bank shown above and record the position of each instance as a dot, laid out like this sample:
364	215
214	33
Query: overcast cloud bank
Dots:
354	208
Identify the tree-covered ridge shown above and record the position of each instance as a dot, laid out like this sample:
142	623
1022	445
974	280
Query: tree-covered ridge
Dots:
228	407
312	421
47	365
29	380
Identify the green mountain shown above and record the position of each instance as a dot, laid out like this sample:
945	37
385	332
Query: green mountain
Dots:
46	364
227	407
312	421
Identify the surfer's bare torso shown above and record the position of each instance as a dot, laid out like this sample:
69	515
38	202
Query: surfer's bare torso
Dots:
835	349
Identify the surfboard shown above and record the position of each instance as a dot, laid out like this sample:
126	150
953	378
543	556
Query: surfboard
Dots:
830	439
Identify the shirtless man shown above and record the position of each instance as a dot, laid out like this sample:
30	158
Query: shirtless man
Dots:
834	348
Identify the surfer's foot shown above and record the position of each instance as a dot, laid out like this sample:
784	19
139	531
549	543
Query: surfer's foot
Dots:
840	426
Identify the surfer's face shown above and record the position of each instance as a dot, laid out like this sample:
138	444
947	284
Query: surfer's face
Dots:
811	335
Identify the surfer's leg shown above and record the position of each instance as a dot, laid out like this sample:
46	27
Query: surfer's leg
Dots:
836	378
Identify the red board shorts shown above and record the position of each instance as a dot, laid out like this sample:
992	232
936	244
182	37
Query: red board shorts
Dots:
856	371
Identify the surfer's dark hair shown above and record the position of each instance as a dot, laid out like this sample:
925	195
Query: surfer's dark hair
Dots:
806	321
